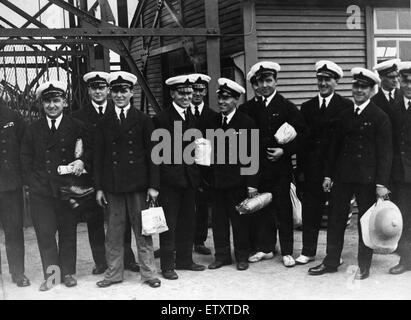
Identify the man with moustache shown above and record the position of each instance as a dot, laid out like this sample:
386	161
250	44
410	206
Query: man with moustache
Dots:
388	92
48	143
90	114
229	186
401	167
11	197
178	183
126	179
320	113
203	115
358	163
275	163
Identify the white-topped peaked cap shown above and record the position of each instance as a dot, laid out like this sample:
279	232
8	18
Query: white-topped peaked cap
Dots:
265	68
328	68
96	77
251	76
387	66
51	89
365	76
230	87
122	78
200	80
405	67
183	83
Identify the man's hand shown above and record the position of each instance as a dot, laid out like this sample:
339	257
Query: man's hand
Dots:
101	198
153	194
327	184
78	167
252	192
381	192
273	154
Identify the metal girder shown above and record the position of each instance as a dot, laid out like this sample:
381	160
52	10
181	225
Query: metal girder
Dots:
22	13
119	46
45	41
39	53
38	14
137	13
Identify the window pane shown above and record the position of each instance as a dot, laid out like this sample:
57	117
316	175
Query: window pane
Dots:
405	50
386	19
404	18
386	49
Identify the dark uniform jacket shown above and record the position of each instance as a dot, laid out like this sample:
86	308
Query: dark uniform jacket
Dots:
177	174
11	133
42	152
311	158
380	100
122	154
361	148
401	166
228	175
268	120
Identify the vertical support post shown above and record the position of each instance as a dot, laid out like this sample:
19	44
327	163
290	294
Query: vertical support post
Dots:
122	18
106	52
213	50
250	40
369	29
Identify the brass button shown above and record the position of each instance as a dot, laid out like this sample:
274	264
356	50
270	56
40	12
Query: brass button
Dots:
130	142
131	152
131	162
5	161
4	151
3	141
115	162
64	149
49	171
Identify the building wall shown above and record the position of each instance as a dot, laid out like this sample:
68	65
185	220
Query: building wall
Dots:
296	37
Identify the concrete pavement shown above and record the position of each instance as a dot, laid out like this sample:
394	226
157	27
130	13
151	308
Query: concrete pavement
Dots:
264	280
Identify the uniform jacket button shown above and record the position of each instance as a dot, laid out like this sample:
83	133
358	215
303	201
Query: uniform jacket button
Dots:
130	142
115	162
49	171
3	141
131	152
131	162
4	151
5	161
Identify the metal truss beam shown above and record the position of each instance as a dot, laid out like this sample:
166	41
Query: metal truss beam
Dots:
137	13
22	13
39	53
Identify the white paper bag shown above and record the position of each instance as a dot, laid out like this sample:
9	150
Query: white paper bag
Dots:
285	134
202	151
153	221
297	207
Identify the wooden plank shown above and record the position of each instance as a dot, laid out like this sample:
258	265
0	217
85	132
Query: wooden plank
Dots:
315	46
325	19
309	40
308	33
250	40
301	26
304	60
317	54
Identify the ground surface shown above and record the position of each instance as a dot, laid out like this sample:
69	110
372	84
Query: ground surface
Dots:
264	280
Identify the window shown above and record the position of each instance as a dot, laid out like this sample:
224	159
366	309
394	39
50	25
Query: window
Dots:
393	20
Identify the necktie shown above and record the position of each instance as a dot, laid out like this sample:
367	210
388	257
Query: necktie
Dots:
323	106
122	116
185	115
196	112
409	105
265	100
225	124
357	111
390	97
53	126
100	111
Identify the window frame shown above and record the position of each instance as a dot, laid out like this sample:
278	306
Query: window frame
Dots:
397	31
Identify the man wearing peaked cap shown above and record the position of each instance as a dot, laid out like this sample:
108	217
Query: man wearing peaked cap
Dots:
358	163
48	143
126	179
90	114
275	164
12	128
320	113
229	186
401	167
203	114
388	91
178	183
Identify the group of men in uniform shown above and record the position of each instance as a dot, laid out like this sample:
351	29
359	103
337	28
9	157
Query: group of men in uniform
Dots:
345	148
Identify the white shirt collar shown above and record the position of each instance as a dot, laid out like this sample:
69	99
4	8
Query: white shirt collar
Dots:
387	93
229	116
179	110
362	106
96	106
57	123
406	101
118	111
200	108
327	99
269	98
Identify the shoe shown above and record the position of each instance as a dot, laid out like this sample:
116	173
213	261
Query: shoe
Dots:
242	265
288	261
69	281
44	286
260	256
106	283
99	269
20	280
202	249
321	269
191	267
399	269
169	274
154	282
157	253
132	266
362	274
302	259
218	264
